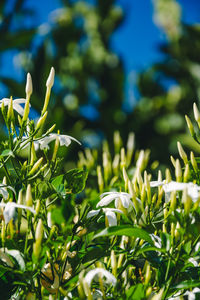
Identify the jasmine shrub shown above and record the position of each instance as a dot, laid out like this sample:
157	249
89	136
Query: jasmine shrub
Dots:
123	235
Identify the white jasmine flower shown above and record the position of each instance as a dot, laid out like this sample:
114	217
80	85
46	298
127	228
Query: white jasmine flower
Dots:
107	198
110	279
191	295
9	211
192	189
193	261
65	140
16	104
109	212
3	190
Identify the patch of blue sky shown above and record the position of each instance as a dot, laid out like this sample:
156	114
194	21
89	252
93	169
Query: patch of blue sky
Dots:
89	112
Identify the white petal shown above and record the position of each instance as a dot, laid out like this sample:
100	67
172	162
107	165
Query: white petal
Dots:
5	101
106	200
93	213
112	219
102	272
18	109
125	201
4	192
9	212
156	183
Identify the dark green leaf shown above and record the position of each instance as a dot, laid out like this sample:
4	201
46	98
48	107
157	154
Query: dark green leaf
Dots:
126	230
75	180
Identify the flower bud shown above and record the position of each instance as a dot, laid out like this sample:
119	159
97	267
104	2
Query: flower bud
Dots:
10	113
50	79
100	179
186	174
147	274
41	121
173	161
193	162
123	158
190	126
29	199
168	175
178	171
117	141
113	263
35	167
182	153
29	86
39	231
130	147
196	114
187	201
49	84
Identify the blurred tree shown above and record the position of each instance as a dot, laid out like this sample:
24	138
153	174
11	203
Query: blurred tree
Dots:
169	88
88	91
15	36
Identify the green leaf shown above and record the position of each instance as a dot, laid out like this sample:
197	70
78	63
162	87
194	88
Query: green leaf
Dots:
126	230
187	284
44	189
136	292
75	180
7	152
57	181
93	254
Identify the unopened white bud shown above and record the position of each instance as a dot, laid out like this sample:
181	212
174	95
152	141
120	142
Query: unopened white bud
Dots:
50	79
29	85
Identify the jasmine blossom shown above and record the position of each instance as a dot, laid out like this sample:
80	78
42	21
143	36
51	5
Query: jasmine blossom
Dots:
109	213
65	140
192	189
108	197
16	104
110	279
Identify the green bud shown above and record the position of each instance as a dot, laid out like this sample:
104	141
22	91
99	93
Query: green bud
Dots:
190	126
35	167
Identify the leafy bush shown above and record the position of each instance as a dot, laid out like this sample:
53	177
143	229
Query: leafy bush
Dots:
104	230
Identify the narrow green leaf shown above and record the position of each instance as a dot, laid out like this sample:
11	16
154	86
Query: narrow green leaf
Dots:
187	284
126	230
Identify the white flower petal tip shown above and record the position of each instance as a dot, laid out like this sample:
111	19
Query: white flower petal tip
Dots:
16	104
110	279
65	140
10	208
107	198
